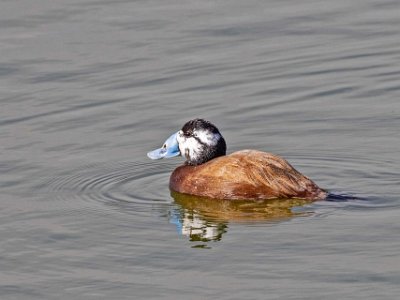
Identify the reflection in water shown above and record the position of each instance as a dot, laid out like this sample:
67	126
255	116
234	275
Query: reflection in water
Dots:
204	219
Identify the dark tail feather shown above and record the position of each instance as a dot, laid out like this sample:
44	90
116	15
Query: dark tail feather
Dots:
341	197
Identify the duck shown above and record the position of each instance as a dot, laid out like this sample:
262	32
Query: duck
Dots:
242	175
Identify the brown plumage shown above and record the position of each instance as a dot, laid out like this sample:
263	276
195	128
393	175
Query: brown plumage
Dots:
246	174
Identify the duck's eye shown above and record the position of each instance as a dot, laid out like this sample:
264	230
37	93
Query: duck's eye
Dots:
164	146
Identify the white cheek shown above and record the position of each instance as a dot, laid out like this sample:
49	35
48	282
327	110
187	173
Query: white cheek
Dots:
208	138
192	145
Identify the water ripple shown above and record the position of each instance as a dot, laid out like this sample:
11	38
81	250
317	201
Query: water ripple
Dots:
125	186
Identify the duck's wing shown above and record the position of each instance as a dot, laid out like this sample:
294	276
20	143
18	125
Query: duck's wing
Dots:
270	174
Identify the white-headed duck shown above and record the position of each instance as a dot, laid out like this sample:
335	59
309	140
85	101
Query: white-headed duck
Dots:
242	175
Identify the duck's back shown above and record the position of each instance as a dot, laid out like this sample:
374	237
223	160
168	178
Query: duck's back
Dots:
246	174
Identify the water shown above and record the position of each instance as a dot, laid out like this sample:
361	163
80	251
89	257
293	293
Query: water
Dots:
88	87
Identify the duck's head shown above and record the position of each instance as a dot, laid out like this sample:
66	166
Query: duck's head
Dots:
198	141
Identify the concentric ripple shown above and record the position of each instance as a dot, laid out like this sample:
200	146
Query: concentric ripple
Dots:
133	187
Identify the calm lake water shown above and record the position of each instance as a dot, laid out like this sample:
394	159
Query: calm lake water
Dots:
88	87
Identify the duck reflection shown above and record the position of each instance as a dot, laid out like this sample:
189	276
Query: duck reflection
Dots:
203	219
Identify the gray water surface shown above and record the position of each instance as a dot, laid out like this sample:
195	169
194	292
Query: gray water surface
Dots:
88	87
